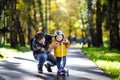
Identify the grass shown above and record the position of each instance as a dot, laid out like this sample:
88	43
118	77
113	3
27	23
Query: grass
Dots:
6	51
107	60
19	48
23	48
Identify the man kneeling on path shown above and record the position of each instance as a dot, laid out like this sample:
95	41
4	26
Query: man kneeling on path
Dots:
40	47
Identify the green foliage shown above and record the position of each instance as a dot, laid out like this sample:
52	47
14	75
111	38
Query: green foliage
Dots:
111	68
2	52
1	56
102	54
23	48
107	60
19	48
7	46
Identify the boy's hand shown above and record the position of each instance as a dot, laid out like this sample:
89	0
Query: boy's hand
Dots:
66	41
55	44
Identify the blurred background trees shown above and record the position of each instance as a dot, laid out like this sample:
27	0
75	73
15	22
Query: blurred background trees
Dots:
95	22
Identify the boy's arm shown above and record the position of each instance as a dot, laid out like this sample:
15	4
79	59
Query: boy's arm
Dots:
67	42
52	46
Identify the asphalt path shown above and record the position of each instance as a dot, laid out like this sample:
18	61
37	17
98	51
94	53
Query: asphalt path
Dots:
24	67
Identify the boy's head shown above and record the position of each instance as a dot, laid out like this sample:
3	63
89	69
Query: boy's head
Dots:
40	37
59	35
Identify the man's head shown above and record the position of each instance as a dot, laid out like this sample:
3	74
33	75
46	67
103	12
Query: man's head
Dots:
40	37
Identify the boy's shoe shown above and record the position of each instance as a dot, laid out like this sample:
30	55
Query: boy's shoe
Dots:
40	70
63	70
48	67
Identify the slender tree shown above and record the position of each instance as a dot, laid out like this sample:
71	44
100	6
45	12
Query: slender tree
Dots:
114	29
99	19
20	31
13	29
90	21
41	16
35	18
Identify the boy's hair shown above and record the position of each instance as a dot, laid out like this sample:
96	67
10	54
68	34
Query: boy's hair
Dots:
39	35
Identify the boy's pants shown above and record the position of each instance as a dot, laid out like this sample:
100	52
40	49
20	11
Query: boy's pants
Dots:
60	63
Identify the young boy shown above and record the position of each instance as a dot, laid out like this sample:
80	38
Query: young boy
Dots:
40	51
60	45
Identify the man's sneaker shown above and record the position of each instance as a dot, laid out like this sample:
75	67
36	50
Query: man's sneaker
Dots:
40	71
48	67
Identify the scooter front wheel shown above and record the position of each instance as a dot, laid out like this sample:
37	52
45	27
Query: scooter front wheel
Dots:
67	72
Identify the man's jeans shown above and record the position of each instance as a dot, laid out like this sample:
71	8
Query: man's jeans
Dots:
43	58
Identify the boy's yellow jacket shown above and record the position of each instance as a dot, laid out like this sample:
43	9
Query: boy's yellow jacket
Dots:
61	50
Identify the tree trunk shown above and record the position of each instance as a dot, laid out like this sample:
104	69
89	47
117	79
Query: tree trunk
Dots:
35	18
91	24
41	16
29	20
20	31
13	29
29	28
114	29
46	15
13	33
99	19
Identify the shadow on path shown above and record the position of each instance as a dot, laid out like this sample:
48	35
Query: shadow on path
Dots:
1	78
14	66
20	58
24	68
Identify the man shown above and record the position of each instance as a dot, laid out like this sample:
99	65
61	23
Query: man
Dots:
39	45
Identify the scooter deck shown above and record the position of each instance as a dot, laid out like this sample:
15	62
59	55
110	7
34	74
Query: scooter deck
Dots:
63	73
